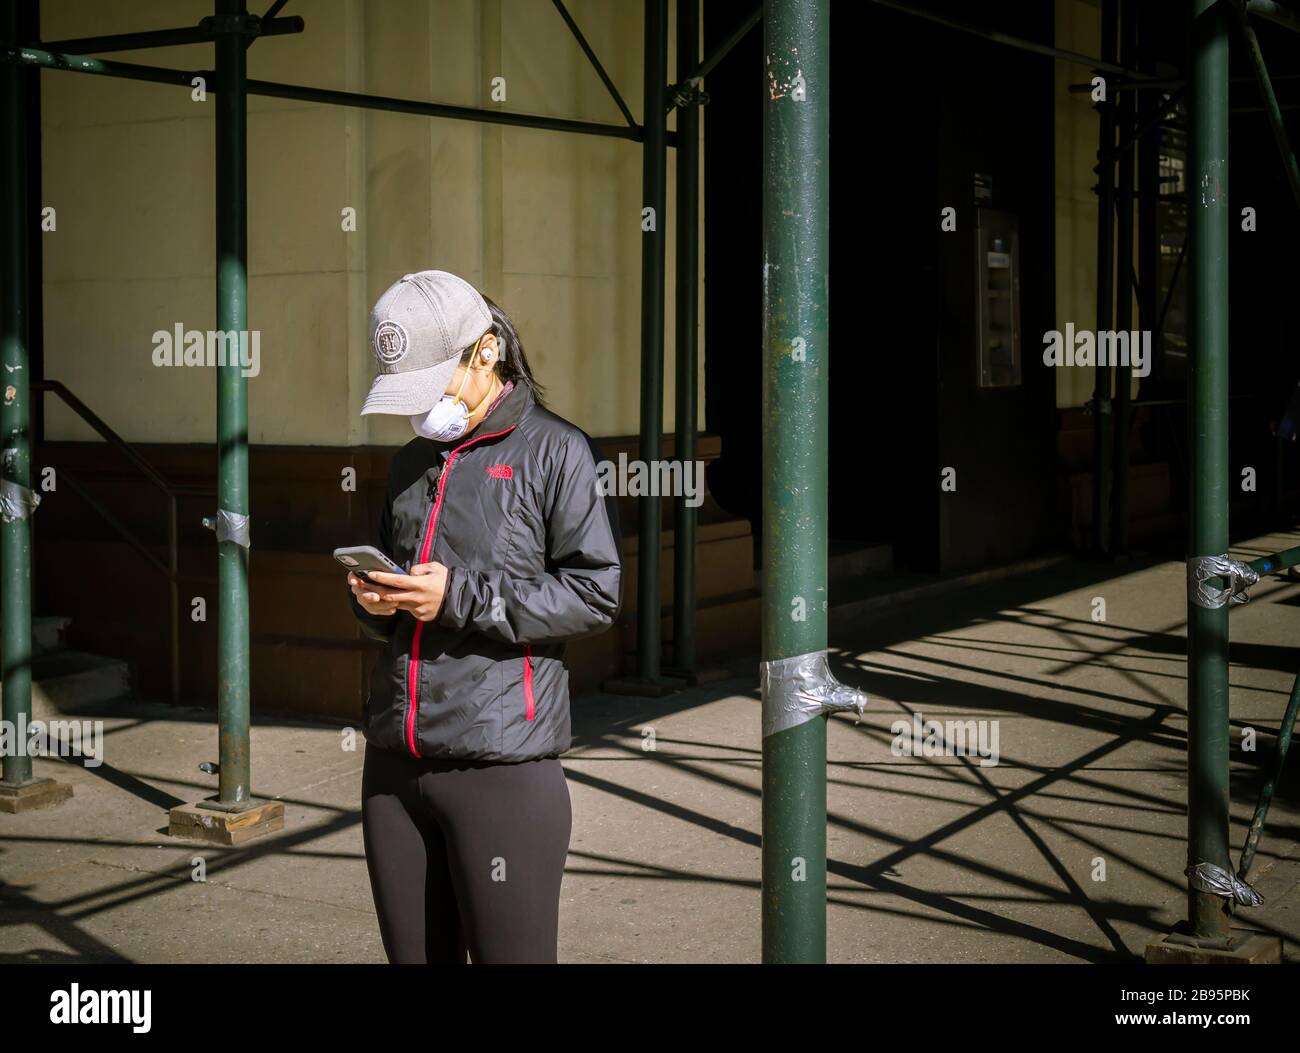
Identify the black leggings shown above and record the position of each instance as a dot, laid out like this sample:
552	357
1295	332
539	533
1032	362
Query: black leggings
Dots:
465	856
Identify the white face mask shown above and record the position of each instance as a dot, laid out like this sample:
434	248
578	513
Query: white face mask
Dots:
449	418
446	422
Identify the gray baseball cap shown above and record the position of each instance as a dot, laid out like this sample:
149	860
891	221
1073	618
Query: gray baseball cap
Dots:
419	328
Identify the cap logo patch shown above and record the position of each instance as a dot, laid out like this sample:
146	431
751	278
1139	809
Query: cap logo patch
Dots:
391	343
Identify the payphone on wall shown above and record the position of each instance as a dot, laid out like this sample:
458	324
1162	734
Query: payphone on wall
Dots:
997	267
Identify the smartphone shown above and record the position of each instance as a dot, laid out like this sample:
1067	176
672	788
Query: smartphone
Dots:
361	558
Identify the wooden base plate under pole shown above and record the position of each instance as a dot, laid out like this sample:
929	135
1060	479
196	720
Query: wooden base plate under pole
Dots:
222	826
1239	947
39	793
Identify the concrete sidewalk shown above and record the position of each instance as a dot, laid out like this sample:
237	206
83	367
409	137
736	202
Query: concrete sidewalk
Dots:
932	859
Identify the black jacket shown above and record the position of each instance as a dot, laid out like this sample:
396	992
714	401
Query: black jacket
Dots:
516	512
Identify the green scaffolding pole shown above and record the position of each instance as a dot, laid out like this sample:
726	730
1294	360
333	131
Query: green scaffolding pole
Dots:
1122	415
1208	914
164	38
1102	424
1271	107
15	410
654	181
1272	564
796	263
232	406
688	269
1274	776
30	56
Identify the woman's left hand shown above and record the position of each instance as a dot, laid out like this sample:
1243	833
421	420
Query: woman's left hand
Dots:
421	592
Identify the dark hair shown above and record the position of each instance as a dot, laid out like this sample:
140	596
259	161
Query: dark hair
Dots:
513	363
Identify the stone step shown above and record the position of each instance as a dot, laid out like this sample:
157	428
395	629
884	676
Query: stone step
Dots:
850	560
67	683
723	565
48	633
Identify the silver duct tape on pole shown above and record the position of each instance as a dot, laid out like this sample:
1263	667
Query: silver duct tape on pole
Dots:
1206	877
1200	570
230	526
16	502
795	690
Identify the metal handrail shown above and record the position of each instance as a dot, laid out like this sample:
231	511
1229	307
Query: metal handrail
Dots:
172	491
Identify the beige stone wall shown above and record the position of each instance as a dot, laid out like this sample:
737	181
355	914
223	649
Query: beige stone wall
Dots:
546	223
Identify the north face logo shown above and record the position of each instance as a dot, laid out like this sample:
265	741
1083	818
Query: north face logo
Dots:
500	471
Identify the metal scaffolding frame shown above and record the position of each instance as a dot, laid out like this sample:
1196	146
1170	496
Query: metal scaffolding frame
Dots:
1207	627
795	225
231	29
1214	887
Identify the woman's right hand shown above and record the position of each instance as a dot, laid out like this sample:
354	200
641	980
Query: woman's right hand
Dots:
373	598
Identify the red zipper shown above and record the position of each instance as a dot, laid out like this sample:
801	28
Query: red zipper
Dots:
528	681
413	668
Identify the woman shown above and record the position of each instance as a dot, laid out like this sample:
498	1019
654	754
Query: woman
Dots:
511	550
